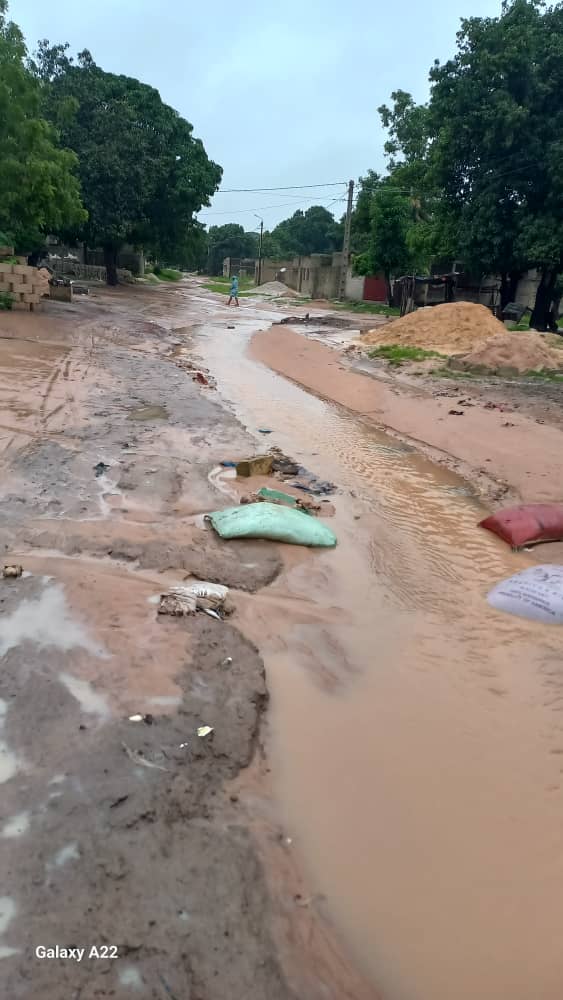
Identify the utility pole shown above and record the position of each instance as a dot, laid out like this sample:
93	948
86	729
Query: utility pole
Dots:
346	243
260	249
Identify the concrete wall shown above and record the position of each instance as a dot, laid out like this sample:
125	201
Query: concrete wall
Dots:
354	286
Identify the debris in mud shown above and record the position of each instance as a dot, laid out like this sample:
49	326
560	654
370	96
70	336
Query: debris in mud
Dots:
12	572
205	380
148	718
228	465
100	469
204	730
200	596
138	757
260	465
267	520
284	499
286	468
455	413
264	430
227	661
527	524
177	604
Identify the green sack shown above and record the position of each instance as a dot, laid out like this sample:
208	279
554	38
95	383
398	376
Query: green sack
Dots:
268	520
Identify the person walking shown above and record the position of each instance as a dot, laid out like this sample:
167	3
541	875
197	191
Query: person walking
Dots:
233	291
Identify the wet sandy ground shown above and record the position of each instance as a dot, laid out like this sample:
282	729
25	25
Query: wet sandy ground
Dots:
412	846
140	840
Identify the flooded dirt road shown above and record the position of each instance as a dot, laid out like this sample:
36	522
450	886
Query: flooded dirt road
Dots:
416	734
392	827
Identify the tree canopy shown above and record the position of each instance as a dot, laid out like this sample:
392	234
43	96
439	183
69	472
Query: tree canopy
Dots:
38	184
143	174
313	231
229	241
482	160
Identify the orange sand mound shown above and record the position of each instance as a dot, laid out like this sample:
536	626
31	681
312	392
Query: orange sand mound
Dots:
452	328
510	353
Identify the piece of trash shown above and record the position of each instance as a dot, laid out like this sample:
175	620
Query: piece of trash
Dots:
455	413
100	469
148	718
527	524
259	465
119	801
138	758
508	424
263	430
230	326
177	604
268	520
135	718
12	572
183	746
228	465
535	593
227	661
212	614
204	730
277	497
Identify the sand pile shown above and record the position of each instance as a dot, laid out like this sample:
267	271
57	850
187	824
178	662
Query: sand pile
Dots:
510	354
274	288
450	328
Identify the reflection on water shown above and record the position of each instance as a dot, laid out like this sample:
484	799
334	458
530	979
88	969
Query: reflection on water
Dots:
417	737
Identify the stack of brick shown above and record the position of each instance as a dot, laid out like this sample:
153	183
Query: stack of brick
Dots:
26	285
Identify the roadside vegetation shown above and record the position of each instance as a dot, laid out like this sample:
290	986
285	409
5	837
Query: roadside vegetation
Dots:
220	285
396	354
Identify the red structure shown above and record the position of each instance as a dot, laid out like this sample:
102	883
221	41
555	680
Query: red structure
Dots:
374	289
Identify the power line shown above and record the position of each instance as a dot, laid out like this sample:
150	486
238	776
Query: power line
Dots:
264	208
291	187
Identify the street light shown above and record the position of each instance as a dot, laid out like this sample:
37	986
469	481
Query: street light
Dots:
261	221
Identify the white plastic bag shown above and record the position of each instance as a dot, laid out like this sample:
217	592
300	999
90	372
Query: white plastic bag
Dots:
535	593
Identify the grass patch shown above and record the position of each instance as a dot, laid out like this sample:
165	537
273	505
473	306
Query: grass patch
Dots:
224	283
549	375
452	373
395	354
373	308
223	289
167	274
5	301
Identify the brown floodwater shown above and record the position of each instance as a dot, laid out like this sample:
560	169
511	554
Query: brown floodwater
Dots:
416	734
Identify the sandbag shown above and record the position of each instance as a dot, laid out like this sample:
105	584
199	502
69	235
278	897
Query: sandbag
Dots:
268	520
527	524
535	593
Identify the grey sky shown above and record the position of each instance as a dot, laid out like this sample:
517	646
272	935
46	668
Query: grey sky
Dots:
280	94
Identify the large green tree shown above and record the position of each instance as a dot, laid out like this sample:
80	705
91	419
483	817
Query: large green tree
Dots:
391	220
39	190
229	240
496	121
144	175
313	231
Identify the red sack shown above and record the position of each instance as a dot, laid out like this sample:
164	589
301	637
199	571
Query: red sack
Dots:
532	522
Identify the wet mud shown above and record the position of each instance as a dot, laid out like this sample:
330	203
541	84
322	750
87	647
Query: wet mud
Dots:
113	833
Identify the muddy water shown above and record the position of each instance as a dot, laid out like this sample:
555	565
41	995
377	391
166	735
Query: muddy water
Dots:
417	734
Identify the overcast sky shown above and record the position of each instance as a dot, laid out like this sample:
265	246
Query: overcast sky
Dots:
280	93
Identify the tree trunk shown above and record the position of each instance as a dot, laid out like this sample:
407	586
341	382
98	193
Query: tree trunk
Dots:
540	317
110	261
388	287
508	288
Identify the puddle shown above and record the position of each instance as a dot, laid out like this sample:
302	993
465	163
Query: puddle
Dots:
7	913
149	413
16	826
67	853
131	976
90	701
45	621
416	738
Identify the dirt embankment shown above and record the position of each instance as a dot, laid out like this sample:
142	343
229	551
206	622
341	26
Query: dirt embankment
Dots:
488	444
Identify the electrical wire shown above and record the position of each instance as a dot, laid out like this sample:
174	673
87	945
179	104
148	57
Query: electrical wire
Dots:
290	187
